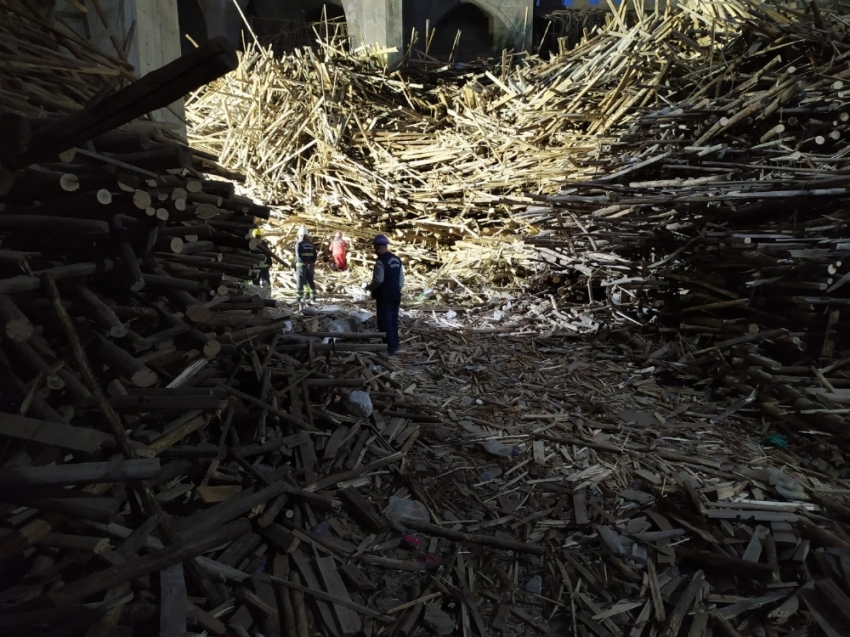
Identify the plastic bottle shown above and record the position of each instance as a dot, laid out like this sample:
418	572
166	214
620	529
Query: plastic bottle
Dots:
319	530
496	448
491	473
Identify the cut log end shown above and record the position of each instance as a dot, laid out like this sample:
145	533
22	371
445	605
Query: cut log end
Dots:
118	331
141	200
138	285
19	330
69	183
198	313
206	211
104	197
144	378
211	349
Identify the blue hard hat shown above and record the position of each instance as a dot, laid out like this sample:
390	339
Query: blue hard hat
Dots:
381	240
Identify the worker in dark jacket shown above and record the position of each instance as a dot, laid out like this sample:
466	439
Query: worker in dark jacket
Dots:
261	276
386	285
305	267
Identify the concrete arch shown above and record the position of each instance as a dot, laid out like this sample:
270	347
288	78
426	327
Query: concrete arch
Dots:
509	17
482	34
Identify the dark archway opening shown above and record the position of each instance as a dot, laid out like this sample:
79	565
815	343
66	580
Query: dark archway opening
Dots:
331	12
297	26
329	22
476	35
192	23
545	42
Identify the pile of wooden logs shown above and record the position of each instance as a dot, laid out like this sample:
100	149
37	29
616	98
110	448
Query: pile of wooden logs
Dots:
719	222
340	146
664	510
179	455
433	159
149	404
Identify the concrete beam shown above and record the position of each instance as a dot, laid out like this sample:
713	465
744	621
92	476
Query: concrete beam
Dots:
376	22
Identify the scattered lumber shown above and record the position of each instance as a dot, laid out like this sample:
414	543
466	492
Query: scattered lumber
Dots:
183	456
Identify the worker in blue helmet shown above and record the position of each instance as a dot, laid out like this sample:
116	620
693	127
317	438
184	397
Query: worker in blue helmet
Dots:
386	285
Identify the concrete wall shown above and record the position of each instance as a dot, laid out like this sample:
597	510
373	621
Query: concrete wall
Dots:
375	22
390	22
147	32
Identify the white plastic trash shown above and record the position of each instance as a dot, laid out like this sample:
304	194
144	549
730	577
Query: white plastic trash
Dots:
359	404
404	508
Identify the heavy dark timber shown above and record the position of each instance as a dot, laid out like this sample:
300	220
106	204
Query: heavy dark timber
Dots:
81	473
114	421
180	551
155	90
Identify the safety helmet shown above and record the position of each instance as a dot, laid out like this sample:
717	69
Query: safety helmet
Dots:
302	232
381	240
257	232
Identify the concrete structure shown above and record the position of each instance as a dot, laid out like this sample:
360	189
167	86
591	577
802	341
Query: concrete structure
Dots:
145	33
487	26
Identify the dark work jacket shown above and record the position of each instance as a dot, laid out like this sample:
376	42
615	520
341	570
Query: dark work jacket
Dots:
305	252
390	289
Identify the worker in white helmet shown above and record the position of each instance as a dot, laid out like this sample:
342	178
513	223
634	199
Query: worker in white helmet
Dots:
305	266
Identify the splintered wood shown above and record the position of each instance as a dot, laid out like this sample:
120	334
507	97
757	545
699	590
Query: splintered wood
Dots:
651	444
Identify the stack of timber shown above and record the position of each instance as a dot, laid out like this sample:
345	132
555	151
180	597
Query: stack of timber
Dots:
452	166
341	146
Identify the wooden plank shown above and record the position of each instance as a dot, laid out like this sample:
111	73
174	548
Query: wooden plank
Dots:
580	507
683	605
356	579
174	605
263	588
60	435
81	473
211	495
360	509
754	548
311	581
349	622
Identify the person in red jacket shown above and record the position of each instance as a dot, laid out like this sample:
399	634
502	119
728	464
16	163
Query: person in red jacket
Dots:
339	250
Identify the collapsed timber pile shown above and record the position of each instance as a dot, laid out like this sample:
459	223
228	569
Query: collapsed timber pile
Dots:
148	404
340	146
181	455
720	221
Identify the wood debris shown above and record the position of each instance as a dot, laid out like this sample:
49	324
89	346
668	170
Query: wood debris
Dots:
666	457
